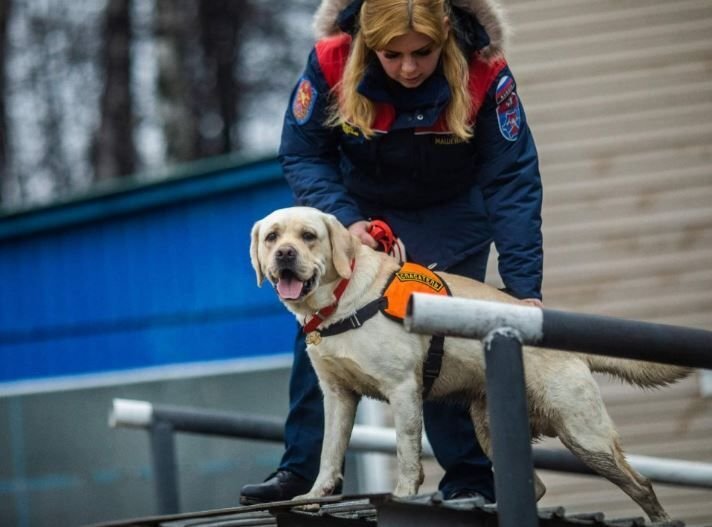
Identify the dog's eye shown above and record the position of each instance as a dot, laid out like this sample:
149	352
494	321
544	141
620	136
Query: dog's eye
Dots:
272	236
308	236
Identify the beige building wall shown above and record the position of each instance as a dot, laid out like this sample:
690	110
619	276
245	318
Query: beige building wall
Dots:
619	97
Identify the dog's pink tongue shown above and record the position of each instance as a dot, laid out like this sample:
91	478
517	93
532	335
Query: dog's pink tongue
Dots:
289	288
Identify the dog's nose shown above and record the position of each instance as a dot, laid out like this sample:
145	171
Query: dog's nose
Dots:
286	254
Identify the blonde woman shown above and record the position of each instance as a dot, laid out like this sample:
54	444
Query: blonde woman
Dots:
407	112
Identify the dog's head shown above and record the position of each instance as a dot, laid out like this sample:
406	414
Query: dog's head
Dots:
299	248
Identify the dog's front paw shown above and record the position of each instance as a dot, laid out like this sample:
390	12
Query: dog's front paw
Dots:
317	491
302	497
310	507
405	488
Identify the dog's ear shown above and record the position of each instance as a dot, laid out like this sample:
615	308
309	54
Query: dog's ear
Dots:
342	246
254	256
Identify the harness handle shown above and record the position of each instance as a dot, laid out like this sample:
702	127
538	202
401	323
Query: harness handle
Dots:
383	234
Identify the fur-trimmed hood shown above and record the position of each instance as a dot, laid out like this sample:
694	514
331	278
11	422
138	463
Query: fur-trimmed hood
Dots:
489	13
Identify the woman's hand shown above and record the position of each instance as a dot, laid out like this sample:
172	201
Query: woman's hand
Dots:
360	230
534	302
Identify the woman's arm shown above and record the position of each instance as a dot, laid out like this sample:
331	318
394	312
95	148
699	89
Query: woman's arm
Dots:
508	173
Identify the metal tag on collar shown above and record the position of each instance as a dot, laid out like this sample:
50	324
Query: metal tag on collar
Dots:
313	337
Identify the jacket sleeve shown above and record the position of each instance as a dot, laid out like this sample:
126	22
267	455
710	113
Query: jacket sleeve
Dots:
508	173
309	149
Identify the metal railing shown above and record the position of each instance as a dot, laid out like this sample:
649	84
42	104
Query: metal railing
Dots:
504	328
163	421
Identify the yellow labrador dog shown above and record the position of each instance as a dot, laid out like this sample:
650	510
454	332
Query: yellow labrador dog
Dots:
305	254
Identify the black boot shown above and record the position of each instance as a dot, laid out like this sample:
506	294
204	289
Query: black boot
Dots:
280	486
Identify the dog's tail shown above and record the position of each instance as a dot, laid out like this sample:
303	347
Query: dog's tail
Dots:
641	373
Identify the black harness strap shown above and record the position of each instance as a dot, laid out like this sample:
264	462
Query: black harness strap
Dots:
355	320
433	363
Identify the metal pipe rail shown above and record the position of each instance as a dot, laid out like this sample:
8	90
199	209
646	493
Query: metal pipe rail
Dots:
163	421
503	329
548	328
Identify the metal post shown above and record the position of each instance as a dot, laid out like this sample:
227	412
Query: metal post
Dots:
509	429
164	467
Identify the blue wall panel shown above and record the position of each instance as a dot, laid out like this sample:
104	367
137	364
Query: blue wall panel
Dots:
159	275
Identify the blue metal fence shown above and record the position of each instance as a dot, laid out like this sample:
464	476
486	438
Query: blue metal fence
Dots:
147	274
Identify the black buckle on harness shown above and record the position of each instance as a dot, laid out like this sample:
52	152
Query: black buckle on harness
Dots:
355	322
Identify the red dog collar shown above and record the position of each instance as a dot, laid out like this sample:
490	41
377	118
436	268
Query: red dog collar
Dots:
324	313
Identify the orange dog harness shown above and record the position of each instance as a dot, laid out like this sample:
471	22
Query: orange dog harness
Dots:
410	278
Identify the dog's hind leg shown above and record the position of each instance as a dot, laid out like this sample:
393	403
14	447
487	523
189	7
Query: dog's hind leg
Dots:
588	432
407	406
613	465
478	414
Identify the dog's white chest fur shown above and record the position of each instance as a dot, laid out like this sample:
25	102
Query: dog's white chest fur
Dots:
364	367
344	370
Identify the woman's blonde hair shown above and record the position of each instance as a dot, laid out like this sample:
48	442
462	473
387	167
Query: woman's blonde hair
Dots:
380	21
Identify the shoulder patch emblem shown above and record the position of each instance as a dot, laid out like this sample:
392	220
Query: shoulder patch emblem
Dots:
304	101
505	87
509	117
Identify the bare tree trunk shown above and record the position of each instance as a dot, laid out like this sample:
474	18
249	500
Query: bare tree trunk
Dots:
220	22
54	155
114	148
197	86
178	66
5	9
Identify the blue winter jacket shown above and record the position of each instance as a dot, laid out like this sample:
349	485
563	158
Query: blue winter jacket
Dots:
445	198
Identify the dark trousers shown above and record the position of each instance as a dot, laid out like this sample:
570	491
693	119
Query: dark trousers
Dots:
447	425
